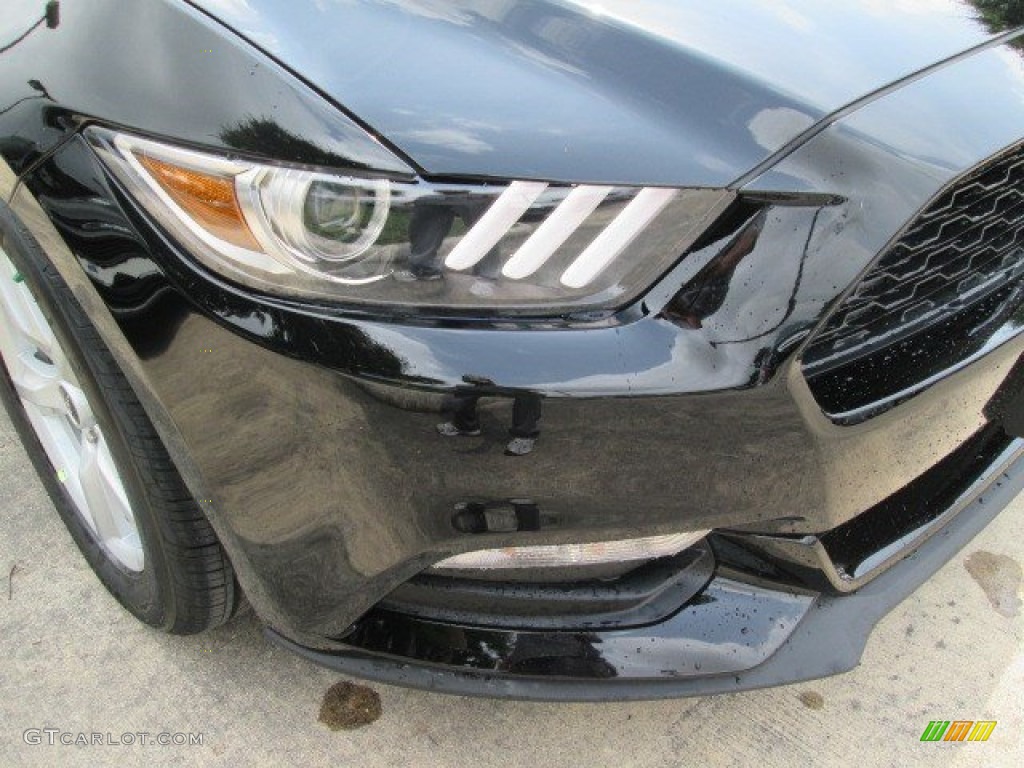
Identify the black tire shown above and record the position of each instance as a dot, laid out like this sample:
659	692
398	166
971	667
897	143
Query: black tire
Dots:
187	584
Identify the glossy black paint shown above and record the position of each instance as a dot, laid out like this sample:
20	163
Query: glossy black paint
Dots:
705	637
828	640
310	431
550	89
849	556
531	88
163	69
636	464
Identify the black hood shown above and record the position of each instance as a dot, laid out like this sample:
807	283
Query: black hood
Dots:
626	91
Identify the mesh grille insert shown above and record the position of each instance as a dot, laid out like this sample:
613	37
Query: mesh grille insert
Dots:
933	299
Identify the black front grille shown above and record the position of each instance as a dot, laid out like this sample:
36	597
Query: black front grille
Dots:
933	299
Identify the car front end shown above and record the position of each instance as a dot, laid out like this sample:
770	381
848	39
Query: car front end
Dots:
625	372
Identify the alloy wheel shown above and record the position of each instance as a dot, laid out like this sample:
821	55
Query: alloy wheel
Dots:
63	419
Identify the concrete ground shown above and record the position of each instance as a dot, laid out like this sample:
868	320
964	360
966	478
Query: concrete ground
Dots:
72	659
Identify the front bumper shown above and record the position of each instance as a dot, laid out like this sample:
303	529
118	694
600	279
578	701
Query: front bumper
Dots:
309	435
766	634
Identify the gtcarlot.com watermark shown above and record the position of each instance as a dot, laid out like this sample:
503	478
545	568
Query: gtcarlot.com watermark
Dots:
58	737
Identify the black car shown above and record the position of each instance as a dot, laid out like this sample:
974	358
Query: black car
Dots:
546	349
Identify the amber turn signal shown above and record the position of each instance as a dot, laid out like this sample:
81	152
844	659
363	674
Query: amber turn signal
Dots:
209	200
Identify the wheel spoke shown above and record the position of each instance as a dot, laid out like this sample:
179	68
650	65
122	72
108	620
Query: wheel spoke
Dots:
10	343
37	383
107	502
103	490
23	317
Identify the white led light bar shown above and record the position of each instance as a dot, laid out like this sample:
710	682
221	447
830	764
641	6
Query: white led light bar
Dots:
631	550
503	214
617	236
556	229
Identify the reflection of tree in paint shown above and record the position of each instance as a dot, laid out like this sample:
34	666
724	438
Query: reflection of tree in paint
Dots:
263	136
1000	15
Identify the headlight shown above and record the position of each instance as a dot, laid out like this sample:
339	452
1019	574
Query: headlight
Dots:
522	246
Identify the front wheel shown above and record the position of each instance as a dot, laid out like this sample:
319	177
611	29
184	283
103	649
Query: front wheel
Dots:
96	451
